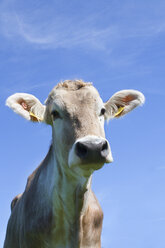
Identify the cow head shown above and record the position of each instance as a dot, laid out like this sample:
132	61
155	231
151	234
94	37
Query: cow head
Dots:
76	113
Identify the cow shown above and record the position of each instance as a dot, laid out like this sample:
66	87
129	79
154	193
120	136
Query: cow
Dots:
58	208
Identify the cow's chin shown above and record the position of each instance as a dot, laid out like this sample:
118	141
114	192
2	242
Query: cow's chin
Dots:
86	168
88	165
91	166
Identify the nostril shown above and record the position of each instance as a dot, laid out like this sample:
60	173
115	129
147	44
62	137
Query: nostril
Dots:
104	150
81	150
105	146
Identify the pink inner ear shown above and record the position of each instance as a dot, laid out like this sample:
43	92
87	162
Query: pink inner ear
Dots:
128	98
24	105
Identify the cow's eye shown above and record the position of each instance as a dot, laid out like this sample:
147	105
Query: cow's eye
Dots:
55	114
102	111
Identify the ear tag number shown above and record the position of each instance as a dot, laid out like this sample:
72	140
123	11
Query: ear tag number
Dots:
120	110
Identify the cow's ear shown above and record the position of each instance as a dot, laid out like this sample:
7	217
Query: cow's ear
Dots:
123	102
27	106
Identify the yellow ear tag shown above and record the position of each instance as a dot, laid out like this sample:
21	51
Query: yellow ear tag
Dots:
120	110
34	117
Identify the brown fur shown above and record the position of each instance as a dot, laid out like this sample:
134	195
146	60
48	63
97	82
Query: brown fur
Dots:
91	224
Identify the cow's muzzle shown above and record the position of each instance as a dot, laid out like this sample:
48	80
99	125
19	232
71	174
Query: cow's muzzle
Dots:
90	151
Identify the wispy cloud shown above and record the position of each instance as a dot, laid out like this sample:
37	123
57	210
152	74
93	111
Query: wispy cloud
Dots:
60	31
119	41
67	31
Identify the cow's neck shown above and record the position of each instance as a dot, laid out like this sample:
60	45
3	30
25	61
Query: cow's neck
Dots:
70	190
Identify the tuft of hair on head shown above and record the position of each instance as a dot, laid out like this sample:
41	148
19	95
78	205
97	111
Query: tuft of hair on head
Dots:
72	85
68	85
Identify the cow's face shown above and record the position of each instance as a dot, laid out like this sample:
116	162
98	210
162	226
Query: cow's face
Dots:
77	113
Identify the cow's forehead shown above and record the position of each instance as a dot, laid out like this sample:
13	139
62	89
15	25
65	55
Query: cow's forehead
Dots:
74	93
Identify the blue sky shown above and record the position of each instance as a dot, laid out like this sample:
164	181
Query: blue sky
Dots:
117	45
